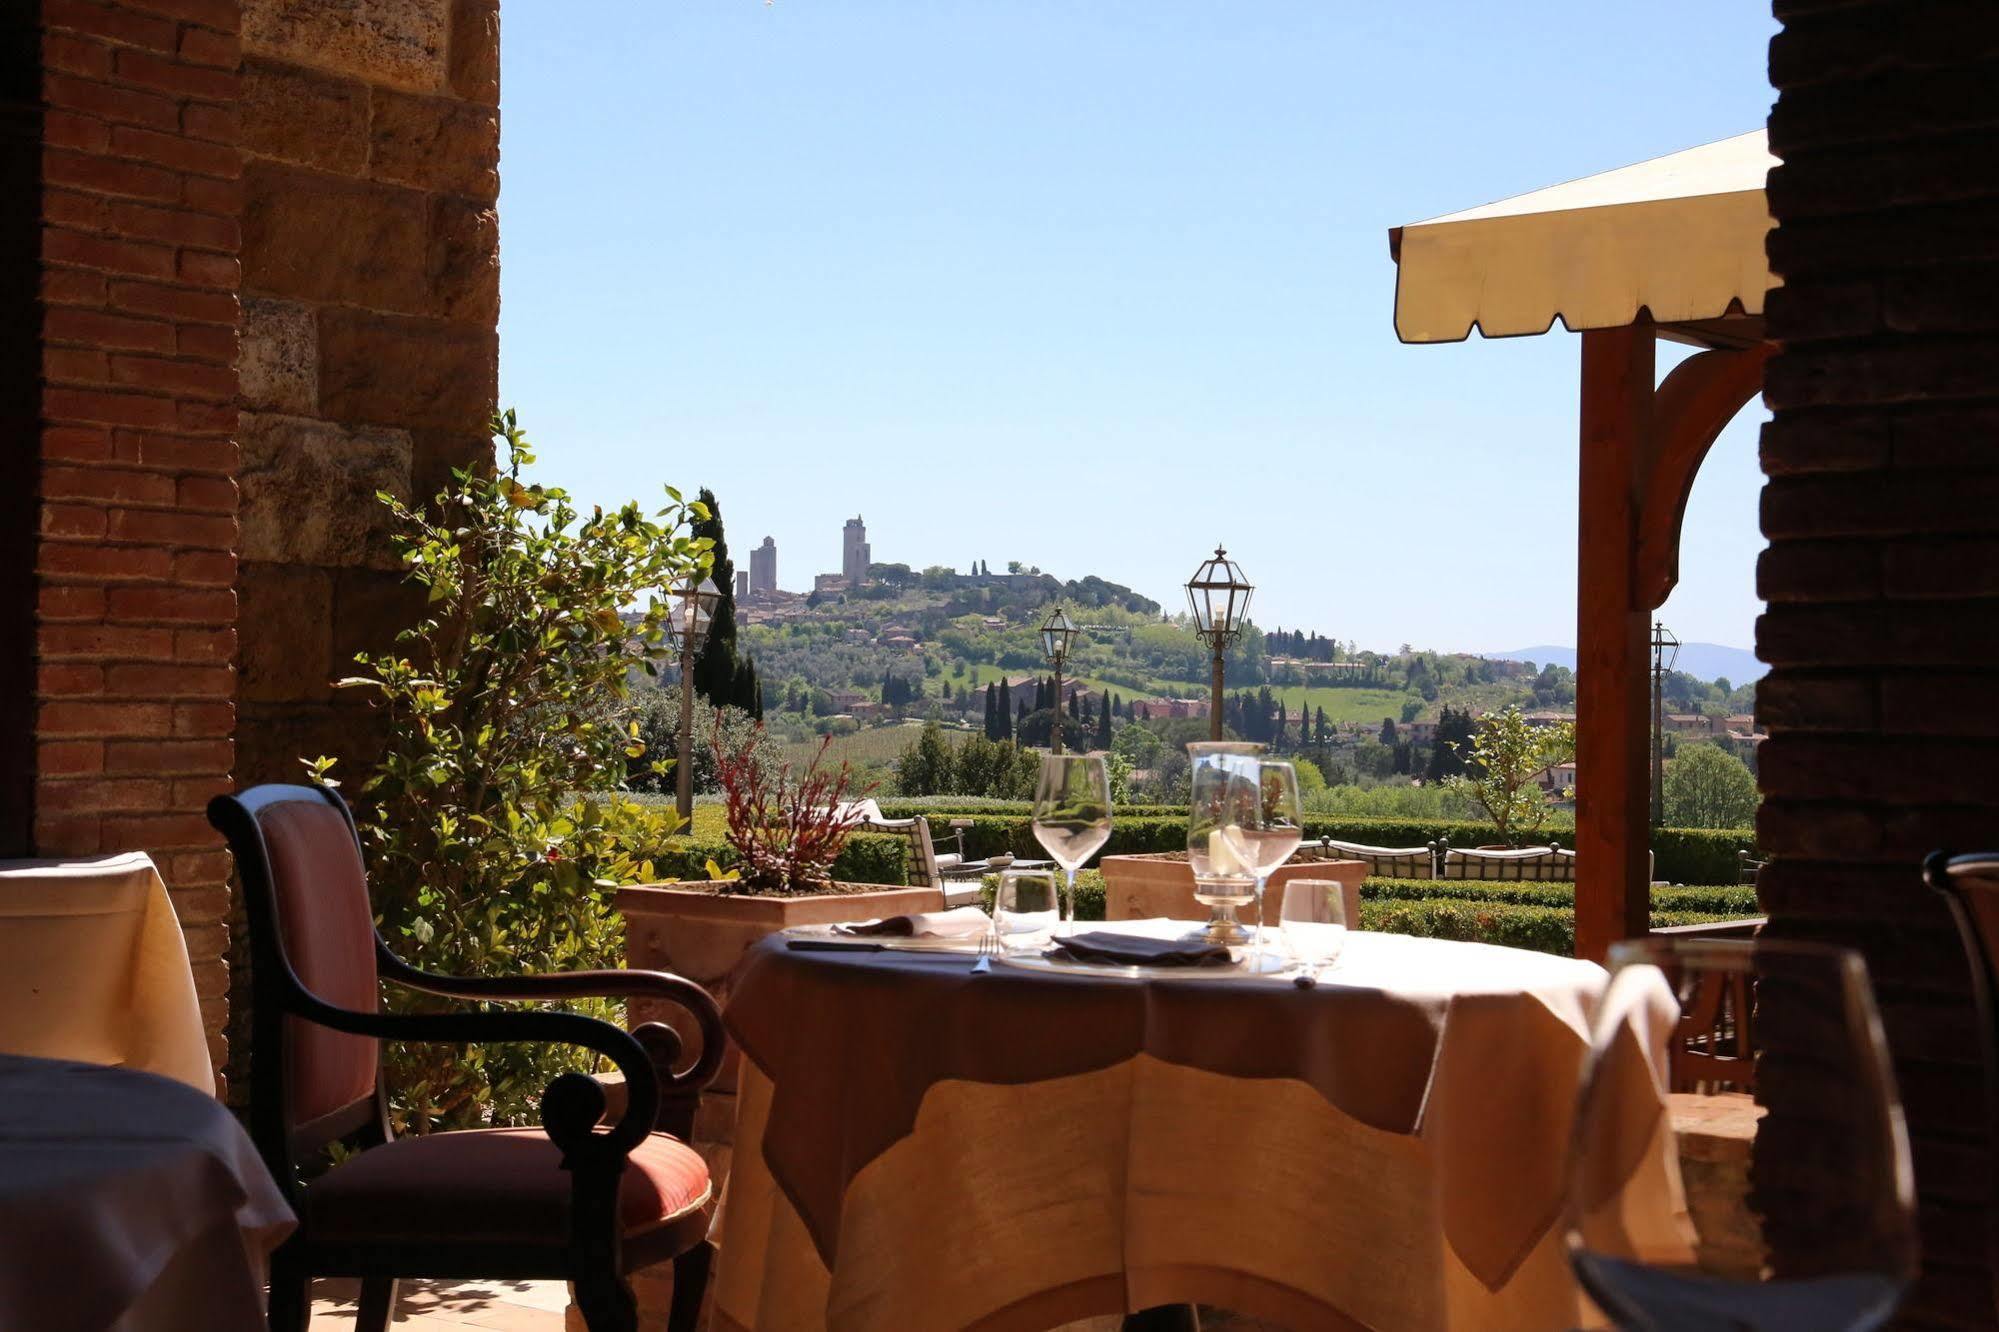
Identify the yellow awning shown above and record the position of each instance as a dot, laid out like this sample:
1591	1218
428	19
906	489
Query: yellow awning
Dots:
1681	236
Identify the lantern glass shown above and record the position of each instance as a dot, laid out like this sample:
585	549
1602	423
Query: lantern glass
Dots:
1056	635
1218	595
694	613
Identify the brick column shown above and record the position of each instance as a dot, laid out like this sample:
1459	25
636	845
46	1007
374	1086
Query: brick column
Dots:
1882	575
135	627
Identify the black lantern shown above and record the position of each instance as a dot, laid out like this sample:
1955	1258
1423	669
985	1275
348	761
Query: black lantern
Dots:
1218	595
693	612
1057	632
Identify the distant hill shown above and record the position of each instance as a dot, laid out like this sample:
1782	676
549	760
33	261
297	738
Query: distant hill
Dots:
1703	661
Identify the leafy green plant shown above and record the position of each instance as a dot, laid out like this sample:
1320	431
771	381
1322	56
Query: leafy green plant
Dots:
1507	754
1708	787
493	820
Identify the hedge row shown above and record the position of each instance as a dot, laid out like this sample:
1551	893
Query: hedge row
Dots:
1734	900
1681	855
867	858
1544	929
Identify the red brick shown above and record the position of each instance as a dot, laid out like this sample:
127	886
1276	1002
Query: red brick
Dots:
148	831
109	176
187	378
69	680
203	47
197	157
217	124
204	720
77	212
105	483
74	521
106	563
199	868
173	528
154	681
128	106
173	226
194	793
75	365
196	605
150	71
111	332
100	718
67	836
69	129
207	644
69	758
221	15
207	343
211	270
140	259
221	197
212	494
129	795
175	302
207	903
74	286
55	602
75	444
215	418
75	54
131	409
179	453
105	641
116	23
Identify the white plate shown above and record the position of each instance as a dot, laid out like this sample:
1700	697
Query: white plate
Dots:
893	943
1274	961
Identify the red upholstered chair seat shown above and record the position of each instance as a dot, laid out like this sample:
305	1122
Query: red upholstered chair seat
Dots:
503	1185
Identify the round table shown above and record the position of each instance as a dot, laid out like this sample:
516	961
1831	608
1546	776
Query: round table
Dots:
921	1145
128	1200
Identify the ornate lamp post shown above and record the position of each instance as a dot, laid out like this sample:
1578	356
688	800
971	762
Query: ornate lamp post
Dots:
1218	594
693	610
1057	633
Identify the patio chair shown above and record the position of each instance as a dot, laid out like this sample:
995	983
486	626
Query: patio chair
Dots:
564	1201
1387	862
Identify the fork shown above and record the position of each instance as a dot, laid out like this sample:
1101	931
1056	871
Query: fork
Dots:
988	947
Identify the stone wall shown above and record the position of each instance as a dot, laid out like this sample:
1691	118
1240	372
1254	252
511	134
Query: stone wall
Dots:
370	356
134	629
1882	575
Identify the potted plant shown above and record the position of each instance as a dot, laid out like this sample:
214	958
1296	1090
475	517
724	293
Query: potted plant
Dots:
784	836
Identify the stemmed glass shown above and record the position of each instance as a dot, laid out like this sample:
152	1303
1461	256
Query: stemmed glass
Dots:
1313	917
1072	816
1223	798
1273	828
1782	1033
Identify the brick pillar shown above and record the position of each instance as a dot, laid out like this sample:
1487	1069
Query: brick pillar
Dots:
135	629
370	352
1882	575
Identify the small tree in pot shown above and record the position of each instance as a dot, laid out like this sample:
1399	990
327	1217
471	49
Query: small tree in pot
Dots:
786	834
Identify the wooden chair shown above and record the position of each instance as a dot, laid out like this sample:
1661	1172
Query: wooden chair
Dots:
571	1202
1970	886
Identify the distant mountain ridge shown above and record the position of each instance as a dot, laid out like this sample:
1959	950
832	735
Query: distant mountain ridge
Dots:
1703	661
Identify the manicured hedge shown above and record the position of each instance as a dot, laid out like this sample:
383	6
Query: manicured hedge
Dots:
1735	900
1544	929
867	858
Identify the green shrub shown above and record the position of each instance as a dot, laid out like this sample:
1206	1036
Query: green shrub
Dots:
1545	929
1733	900
866	858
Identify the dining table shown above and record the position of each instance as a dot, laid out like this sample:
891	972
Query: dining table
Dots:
923	1142
128	1201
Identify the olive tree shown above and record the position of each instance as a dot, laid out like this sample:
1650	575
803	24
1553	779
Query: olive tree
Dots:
1708	787
1503	763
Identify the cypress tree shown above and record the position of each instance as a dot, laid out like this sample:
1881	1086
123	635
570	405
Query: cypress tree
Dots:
1005	712
715	666
992	700
1104	726
1020	719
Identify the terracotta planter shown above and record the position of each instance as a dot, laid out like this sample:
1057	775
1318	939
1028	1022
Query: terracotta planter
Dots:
1141	887
696	932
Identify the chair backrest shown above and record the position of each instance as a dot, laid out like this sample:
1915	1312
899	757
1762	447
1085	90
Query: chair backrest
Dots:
305	891
1387	862
1535	864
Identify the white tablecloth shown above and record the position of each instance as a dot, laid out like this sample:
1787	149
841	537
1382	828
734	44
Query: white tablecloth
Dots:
93	966
128	1202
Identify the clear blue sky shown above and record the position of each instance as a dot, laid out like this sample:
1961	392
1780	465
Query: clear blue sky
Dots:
922	261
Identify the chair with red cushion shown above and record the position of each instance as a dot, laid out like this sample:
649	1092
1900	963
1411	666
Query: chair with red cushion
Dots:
576	1199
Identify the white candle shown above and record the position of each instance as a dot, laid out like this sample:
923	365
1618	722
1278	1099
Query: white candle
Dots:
1223	862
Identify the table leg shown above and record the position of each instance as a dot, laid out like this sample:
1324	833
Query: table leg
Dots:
1164	1318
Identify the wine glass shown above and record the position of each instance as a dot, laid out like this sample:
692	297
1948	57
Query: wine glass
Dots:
1025	910
1777	1042
1313	917
1072	816
1271	832
1224	797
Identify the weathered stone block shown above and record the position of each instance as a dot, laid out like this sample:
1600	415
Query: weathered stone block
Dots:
475	51
287	615
279	362
406	372
322	238
273	737
464	261
397	42
303	116
435	143
438	452
309	491
370	607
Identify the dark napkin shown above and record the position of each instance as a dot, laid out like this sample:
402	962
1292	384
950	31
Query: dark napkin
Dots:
961	923
1135	950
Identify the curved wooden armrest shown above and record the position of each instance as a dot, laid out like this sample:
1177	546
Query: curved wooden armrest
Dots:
664	1044
567	1111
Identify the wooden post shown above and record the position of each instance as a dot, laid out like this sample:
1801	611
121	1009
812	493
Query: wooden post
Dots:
1613	889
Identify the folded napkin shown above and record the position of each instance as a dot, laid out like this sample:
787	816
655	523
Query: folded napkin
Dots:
1136	950
960	923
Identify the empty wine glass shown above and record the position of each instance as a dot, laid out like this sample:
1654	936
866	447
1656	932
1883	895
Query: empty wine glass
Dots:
1272	830
1777	1043
1313	917
1026	909
1072	816
1224	796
